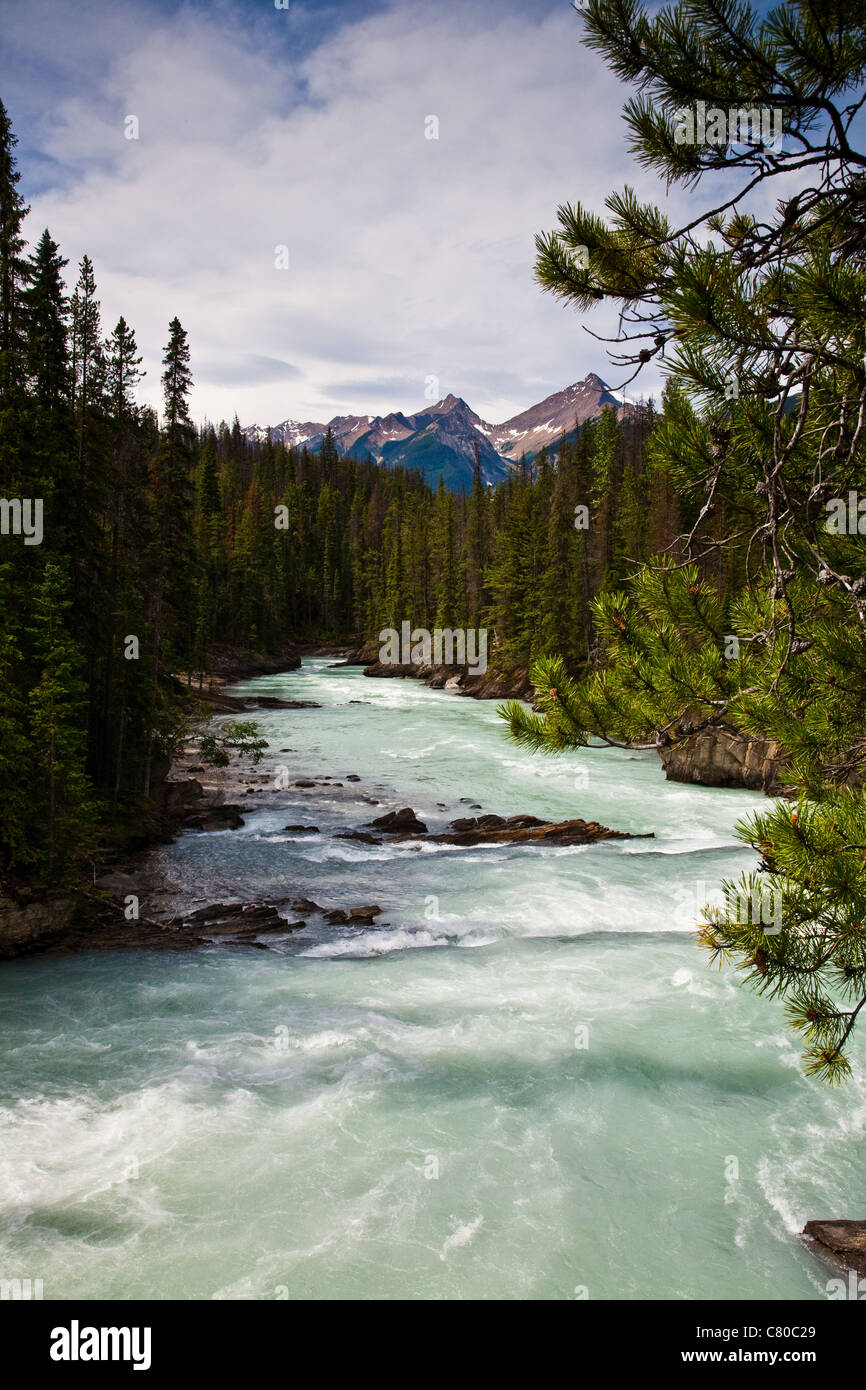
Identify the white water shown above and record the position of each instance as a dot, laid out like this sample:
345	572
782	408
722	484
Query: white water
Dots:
235	1123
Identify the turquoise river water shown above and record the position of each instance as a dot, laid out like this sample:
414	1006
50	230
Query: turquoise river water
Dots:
524	1082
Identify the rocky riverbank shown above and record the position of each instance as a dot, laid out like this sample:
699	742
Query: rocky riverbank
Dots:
721	756
718	756
514	685
128	906
88	917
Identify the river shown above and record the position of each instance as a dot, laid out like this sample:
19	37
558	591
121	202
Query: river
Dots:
523	1082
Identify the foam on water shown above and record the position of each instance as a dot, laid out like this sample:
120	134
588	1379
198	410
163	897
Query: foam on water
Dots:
522	1080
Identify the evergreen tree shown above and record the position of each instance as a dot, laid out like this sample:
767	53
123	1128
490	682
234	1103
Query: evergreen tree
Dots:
763	439
13	281
174	495
56	705
47	313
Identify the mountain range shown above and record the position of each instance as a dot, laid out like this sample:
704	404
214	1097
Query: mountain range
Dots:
440	440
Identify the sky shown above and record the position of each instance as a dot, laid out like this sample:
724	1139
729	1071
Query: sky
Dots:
284	199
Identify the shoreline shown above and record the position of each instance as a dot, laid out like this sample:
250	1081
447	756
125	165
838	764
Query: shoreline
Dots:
718	756
192	795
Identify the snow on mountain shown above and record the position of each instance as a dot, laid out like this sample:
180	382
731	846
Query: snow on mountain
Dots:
441	439
541	425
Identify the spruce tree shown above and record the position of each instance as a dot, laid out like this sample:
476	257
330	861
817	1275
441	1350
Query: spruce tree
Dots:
47	313
14	275
57	702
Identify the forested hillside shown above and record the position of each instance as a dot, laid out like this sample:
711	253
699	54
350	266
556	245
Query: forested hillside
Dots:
158	539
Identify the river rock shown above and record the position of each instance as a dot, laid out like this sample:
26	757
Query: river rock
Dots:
271	702
403	822
224	817
302	829
364	915
846	1240
175	800
241	919
476	830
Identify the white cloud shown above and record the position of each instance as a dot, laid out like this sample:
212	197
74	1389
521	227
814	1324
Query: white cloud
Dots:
408	256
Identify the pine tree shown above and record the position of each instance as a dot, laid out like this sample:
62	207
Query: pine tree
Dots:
123	371
19	817
762	436
47	313
175	497
56	704
87	361
14	275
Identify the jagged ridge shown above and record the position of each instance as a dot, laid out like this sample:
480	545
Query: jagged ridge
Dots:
440	440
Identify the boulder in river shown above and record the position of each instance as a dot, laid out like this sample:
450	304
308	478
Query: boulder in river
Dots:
364	915
272	702
304	905
358	916
476	830
176	799
845	1240
302	829
402	822
218	818
240	919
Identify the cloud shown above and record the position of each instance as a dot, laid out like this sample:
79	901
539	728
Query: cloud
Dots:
407	256
241	371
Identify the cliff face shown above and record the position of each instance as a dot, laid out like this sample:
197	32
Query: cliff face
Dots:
238	663
29	924
724	757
